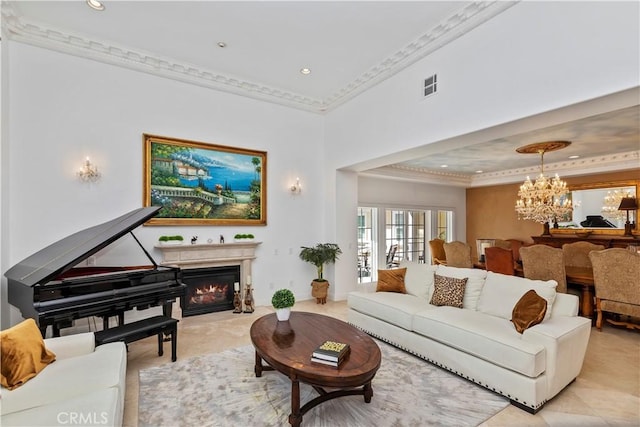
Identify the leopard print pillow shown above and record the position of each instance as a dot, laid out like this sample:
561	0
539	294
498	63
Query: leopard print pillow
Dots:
448	291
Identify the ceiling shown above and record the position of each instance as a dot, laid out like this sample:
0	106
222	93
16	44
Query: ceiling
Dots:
349	47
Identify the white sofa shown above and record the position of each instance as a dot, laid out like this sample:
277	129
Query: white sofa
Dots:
479	342
85	385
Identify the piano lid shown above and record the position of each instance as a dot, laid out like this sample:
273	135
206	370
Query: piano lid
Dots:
64	254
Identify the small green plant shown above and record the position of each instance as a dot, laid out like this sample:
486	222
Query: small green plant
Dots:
283	298
319	255
167	238
243	236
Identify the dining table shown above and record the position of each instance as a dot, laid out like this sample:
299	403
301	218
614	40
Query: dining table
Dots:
583	277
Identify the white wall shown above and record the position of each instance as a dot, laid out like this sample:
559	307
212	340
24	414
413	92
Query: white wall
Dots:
532	58
64	108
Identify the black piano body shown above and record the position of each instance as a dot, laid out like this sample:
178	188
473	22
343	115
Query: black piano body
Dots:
46	287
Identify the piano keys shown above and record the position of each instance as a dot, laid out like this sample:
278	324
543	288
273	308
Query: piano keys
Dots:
48	287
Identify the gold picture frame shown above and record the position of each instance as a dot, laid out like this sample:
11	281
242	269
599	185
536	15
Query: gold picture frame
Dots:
198	183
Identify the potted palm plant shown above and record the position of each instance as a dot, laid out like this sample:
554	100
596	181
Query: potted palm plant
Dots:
282	300
319	255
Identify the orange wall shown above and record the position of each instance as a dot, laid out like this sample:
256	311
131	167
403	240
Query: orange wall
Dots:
491	213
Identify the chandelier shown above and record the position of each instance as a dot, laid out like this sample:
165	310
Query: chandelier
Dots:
611	203
543	201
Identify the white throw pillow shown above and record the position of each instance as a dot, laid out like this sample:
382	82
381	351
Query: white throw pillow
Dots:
475	282
419	279
501	293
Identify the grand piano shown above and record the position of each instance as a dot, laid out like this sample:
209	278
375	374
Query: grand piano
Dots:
46	287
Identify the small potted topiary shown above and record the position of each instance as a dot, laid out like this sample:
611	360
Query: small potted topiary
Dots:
240	237
282	301
171	240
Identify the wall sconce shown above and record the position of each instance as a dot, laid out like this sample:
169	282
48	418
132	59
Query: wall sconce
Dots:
88	172
296	188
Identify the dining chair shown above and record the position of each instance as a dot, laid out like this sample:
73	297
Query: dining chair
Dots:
513	245
458	254
436	247
576	254
542	262
499	260
616	274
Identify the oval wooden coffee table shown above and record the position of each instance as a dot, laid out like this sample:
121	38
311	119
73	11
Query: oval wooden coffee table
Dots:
287	347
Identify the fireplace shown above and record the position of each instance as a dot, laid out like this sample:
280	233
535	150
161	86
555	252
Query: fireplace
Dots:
209	289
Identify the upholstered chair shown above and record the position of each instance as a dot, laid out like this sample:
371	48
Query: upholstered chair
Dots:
499	260
512	244
437	251
458	254
542	262
616	274
577	254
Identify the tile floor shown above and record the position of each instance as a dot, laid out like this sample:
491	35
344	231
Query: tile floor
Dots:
606	393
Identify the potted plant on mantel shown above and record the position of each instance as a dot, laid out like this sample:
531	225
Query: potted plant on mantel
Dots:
282	301
171	240
319	255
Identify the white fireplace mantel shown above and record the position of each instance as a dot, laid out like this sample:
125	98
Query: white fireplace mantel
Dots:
211	255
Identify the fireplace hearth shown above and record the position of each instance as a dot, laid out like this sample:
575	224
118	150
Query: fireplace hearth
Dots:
209	289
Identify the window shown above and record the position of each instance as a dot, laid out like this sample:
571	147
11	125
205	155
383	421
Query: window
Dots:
401	235
404	236
367	244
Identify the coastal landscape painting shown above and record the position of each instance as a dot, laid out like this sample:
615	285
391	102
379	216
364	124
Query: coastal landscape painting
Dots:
203	184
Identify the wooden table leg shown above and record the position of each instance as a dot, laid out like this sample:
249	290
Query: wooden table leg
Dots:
368	392
258	368
587	301
295	418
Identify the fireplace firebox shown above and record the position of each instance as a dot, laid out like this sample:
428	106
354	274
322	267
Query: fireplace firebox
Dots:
209	289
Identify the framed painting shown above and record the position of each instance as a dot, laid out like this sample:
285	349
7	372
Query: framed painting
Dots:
204	184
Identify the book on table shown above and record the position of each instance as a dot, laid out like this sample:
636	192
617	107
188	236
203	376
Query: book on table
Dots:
331	351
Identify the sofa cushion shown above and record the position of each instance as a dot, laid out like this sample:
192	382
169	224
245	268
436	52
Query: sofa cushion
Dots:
24	354
448	291
529	311
487	337
68	378
397	309
391	280
501	293
419	278
475	282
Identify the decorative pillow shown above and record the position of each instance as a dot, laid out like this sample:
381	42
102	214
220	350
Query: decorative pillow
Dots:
528	311
448	291
419	278
475	282
23	354
391	280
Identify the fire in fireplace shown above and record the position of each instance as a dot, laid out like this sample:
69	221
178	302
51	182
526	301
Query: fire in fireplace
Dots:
209	289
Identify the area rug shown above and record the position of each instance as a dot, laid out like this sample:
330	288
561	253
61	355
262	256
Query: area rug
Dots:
221	389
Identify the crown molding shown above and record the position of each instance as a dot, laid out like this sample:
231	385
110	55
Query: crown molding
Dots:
585	166
37	34
565	168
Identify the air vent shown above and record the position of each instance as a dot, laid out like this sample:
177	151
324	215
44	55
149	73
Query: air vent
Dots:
430	85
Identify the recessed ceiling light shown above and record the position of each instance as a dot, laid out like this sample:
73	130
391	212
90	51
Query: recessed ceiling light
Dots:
574	157
95	4
222	44
444	166
305	71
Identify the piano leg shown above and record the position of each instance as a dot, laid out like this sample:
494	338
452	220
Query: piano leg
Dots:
167	309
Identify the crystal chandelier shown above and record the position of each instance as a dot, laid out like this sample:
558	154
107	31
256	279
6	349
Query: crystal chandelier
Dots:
611	202
544	200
